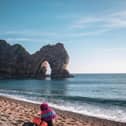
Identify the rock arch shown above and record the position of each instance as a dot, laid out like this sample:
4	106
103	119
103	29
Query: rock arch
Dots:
15	61
56	56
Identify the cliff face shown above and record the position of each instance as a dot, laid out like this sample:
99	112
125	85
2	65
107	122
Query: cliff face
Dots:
56	56
15	61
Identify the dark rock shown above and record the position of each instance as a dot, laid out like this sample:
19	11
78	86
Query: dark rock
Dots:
15	61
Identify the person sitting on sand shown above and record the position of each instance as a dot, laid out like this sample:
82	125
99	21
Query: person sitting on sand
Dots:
47	114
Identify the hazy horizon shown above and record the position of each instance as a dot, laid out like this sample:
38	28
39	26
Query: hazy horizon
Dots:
93	32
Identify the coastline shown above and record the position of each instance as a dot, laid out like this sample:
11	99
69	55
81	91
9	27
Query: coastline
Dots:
15	112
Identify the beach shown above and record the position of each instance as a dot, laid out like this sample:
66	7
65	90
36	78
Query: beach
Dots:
15	113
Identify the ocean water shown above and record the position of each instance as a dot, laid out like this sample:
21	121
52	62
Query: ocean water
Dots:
99	95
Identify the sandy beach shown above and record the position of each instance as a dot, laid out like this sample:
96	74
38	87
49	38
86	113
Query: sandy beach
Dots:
15	113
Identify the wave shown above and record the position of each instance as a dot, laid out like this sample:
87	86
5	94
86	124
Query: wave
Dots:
94	110
121	102
38	95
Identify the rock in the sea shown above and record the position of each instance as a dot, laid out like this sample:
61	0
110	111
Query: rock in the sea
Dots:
15	61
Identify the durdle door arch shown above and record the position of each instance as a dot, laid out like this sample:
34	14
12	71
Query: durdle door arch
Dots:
15	61
57	58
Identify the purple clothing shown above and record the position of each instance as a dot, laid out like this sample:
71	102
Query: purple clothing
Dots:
48	114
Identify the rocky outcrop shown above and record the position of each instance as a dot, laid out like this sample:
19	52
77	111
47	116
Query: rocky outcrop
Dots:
15	61
56	56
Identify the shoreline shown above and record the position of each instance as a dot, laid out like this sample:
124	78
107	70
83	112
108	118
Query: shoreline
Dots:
25	111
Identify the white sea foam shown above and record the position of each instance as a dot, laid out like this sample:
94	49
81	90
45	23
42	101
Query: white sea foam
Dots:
116	114
111	113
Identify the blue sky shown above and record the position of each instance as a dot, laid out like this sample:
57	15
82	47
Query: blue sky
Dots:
93	31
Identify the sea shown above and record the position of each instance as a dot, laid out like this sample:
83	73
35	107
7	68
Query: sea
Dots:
97	95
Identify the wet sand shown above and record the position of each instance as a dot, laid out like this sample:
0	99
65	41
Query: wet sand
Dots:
15	113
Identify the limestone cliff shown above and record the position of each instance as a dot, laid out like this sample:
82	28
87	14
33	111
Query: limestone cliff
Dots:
15	61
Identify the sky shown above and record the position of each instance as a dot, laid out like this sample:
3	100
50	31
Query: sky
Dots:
92	31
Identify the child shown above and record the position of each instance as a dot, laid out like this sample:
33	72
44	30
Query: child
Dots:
47	114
